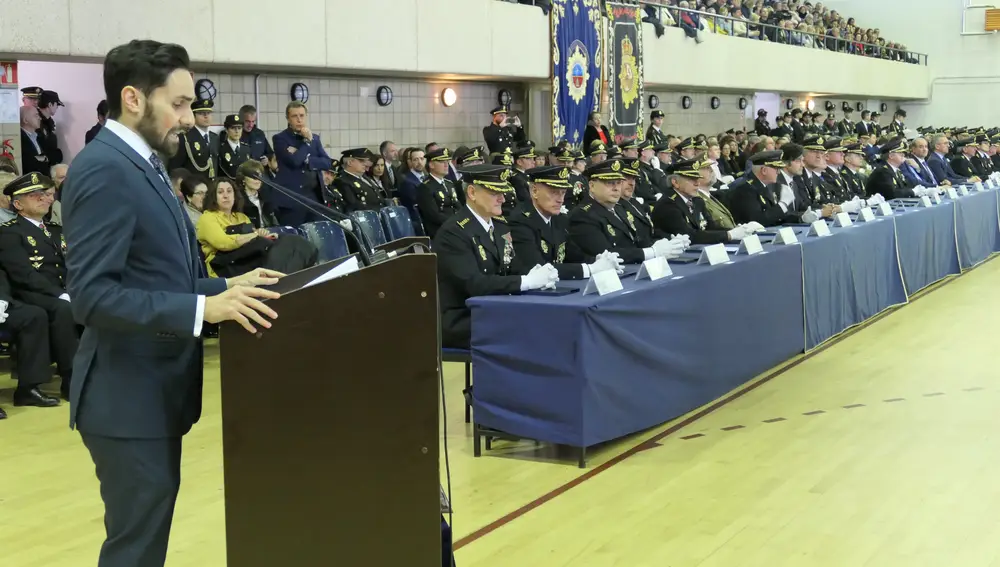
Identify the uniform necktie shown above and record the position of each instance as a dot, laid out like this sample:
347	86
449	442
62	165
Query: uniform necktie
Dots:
162	172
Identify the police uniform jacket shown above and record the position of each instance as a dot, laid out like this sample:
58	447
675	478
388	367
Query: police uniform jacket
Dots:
845	128
982	165
333	198
836	182
853	181
498	139
539	242
656	137
522	186
257	144
49	142
437	201
471	264
637	218
359	195
231	159
644	186
895	128
889	183
761	127
673	215
963	166
197	154
34	259
593	229
820	191
751	200
581	188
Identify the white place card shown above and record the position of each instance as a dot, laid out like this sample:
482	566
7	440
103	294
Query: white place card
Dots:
819	228
786	236
603	283
654	269
884	210
749	246
962	190
714	254
865	215
978	186
925	201
842	220
951	193
936	199
990	184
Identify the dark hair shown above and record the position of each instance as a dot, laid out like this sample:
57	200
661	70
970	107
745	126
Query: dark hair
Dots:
189	181
384	145
428	147
212	197
295	104
250	168
247	109
141	63
102	108
375	161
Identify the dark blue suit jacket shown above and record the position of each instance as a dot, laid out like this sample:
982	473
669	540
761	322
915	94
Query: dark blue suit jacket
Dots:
294	167
917	175
134	274
407	191
942	170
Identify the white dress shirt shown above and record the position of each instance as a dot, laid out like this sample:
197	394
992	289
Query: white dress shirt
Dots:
140	147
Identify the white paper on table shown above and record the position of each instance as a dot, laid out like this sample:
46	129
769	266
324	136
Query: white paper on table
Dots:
10	111
346	267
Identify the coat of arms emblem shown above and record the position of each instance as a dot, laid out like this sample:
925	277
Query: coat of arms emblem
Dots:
577	71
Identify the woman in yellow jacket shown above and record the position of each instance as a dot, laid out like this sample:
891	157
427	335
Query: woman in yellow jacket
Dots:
226	234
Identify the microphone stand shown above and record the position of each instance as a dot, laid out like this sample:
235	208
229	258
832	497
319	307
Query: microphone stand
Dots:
329	214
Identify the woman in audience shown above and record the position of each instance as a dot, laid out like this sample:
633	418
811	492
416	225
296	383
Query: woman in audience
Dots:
374	177
193	188
232	246
256	206
595	131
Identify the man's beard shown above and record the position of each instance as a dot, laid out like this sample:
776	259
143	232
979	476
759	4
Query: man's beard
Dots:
166	145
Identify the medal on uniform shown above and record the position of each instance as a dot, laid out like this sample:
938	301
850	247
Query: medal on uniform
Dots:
482	252
630	219
62	238
46	232
561	253
454	195
441	195
545	247
508	249
227	157
31	241
611	230
197	147
762	201
702	223
578	188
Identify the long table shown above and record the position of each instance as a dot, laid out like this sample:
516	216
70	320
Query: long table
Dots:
584	369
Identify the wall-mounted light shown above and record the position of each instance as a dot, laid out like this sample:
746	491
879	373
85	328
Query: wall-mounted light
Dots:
448	96
205	89
685	102
715	103
654	101
504	98
810	104
789	104
743	103
383	95
300	92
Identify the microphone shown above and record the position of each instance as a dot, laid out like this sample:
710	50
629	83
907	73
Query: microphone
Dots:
329	214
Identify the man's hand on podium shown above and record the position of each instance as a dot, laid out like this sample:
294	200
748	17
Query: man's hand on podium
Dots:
241	304
254	278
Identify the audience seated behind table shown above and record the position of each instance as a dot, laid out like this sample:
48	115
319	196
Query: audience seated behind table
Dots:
193	188
232	246
598	223
476	254
256	203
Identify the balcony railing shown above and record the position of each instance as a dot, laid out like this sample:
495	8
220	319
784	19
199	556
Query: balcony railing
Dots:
694	23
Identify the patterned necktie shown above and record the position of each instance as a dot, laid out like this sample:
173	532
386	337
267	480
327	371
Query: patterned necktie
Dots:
162	172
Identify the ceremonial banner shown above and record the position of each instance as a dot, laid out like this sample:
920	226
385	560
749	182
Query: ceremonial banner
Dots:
625	86
576	66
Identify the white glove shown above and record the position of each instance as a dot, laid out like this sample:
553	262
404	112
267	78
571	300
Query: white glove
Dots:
738	233
810	216
655	162
850	207
3	317
724	187
727	179
875	199
345	224
668	248
638	200
787	196
563	210
753	227
540	277
658	196
64	297
607	261
683	239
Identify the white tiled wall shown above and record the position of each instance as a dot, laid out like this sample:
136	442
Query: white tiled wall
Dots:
344	111
700	118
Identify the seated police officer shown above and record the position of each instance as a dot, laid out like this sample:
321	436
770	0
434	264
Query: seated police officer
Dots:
752	197
524	159
476	254
682	209
437	198
599	223
359	194
888	181
32	254
540	230
636	215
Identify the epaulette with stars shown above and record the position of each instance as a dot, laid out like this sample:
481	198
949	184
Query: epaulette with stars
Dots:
674	196
11	222
464	222
585	207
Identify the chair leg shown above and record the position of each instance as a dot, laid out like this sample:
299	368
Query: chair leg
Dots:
582	463
477	449
468	386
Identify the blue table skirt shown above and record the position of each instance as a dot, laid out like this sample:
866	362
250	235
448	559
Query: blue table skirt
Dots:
978	228
582	370
849	276
925	240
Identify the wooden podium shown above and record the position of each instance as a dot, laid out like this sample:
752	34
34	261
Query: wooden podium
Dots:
330	422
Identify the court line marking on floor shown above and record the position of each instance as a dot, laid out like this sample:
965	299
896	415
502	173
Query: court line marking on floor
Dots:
686	421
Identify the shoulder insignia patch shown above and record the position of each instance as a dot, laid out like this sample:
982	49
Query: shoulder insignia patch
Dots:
527	213
11	222
585	207
501	219
464	222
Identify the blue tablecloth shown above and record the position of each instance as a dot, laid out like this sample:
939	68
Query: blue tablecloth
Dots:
849	276
978	227
581	370
925	241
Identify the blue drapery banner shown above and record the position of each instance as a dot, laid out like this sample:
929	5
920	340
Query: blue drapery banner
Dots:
625	83
576	66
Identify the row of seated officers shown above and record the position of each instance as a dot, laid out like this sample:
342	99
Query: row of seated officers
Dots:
481	251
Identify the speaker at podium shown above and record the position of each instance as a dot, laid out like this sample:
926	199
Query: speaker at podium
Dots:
330	421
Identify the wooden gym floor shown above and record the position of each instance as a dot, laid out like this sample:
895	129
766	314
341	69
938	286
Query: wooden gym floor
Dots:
881	450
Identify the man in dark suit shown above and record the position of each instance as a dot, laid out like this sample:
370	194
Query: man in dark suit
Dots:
102	116
476	253
199	149
598	224
301	158
938	161
540	229
864	126
32	254
136	282
33	156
